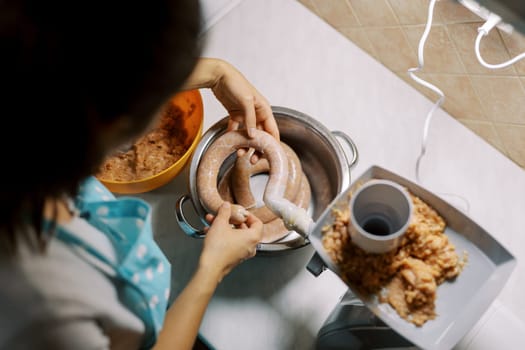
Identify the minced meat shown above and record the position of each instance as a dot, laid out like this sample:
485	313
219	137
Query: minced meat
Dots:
406	277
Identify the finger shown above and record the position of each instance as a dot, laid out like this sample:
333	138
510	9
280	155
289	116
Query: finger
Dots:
224	213
254	158
251	218
210	217
252	253
253	222
270	126
233	124
250	116
264	116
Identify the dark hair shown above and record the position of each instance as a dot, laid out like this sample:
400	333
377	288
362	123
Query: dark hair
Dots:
68	66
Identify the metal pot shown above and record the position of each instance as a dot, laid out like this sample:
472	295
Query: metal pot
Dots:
323	159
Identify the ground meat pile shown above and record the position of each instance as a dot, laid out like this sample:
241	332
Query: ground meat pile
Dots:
407	277
153	152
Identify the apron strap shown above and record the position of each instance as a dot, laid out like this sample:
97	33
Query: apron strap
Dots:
70	238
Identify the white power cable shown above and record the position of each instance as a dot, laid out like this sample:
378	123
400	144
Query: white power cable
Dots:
412	71
437	104
484	30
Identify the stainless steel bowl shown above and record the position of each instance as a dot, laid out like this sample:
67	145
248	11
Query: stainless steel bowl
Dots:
325	162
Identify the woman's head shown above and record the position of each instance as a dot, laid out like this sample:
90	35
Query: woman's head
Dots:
79	78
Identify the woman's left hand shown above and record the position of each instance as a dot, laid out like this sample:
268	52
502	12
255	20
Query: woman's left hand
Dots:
245	105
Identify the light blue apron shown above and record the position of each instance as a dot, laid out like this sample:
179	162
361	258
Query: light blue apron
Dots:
142	270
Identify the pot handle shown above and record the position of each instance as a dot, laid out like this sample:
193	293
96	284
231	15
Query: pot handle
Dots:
351	145
183	223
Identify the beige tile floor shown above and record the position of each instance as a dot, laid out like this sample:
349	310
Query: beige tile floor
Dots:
489	102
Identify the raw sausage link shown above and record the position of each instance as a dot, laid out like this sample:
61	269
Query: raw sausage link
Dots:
225	182
304	194
239	174
221	149
244	169
224	187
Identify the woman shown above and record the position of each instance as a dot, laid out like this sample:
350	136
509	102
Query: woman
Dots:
79	268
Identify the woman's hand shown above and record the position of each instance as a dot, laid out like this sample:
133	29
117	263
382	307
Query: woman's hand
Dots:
245	105
226	246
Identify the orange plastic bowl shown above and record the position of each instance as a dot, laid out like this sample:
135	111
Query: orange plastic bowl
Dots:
190	102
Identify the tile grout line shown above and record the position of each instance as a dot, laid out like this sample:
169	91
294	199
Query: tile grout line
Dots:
475	91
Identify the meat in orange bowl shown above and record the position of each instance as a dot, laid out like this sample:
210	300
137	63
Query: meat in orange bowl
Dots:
161	154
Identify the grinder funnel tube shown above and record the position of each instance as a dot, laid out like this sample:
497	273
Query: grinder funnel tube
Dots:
380	212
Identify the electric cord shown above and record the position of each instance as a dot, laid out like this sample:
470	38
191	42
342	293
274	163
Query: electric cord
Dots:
411	72
437	104
492	21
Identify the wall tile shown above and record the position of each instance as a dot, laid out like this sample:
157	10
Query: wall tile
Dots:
392	48
491	48
358	36
486	131
336	12
440	55
513	137
461	100
309	4
450	11
515	43
431	95
374	12
502	98
413	11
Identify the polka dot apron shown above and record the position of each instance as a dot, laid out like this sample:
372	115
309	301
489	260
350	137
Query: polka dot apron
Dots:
141	270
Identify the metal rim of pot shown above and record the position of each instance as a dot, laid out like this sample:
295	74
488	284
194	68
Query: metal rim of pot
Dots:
331	139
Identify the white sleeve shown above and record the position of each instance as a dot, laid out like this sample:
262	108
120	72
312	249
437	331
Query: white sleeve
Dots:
60	335
59	301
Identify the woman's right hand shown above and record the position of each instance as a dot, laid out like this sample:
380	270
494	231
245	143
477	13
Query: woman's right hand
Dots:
225	246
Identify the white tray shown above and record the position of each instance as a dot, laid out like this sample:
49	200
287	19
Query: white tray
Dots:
459	304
